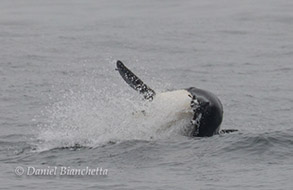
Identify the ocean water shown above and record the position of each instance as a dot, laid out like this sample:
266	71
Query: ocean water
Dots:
62	104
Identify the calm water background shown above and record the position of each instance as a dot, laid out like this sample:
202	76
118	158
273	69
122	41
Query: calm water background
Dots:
63	104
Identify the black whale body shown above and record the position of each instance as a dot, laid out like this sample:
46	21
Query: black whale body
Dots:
211	109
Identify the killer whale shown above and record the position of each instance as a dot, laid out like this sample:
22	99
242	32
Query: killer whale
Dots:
205	107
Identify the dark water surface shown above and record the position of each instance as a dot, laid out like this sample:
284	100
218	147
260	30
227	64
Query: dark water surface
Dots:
63	104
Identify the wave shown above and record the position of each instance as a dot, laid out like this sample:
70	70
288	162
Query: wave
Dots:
273	144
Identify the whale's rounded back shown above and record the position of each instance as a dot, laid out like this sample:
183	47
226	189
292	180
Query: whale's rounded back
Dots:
211	110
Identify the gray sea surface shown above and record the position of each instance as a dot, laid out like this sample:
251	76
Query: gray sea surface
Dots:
62	104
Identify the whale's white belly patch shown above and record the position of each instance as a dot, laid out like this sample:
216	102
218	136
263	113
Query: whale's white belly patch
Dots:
174	101
170	109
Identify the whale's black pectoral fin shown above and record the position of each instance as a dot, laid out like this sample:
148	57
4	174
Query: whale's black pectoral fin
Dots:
134	81
225	131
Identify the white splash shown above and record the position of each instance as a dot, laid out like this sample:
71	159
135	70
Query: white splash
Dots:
93	116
